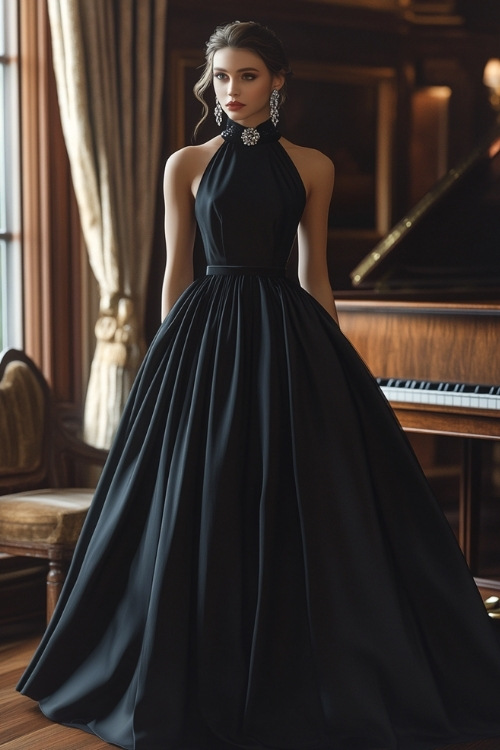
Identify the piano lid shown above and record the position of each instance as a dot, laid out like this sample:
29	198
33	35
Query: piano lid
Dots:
449	241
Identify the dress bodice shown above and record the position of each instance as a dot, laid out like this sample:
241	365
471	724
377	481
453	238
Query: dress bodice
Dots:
250	200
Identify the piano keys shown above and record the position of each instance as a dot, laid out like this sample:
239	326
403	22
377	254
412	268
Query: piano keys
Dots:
461	395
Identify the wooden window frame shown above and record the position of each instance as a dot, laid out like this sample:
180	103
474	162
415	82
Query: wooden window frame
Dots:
51	234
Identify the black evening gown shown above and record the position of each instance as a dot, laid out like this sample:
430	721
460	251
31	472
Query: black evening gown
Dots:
264	565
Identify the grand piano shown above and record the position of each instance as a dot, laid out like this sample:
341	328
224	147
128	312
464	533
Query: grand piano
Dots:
424	314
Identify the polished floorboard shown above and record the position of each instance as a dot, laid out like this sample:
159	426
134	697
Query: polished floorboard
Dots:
23	726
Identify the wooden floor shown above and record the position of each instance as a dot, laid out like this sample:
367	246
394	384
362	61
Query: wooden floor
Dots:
23	726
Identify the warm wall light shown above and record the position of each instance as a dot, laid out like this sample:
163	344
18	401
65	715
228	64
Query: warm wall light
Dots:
491	79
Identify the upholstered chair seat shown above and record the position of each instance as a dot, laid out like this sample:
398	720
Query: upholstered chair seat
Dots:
42	505
49	516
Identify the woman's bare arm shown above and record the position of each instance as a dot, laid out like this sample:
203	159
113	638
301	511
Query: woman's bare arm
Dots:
180	226
318	175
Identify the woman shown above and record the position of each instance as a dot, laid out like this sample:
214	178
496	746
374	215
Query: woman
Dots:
263	565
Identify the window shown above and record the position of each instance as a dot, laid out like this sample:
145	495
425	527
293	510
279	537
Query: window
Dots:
11	323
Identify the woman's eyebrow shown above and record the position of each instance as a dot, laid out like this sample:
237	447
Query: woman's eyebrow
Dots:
240	70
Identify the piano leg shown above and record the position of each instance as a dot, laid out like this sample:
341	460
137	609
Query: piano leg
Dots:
470	502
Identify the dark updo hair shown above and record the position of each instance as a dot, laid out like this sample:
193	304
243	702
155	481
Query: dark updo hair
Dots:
248	35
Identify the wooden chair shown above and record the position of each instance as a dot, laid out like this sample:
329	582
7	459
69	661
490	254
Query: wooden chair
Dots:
42	506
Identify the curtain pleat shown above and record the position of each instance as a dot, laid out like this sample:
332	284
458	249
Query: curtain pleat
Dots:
109	63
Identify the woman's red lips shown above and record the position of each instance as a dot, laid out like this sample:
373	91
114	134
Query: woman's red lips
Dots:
234	105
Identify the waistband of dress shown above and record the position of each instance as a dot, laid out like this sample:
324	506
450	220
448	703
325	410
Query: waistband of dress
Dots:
246	271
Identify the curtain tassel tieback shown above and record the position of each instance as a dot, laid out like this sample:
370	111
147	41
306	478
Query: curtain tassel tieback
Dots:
117	334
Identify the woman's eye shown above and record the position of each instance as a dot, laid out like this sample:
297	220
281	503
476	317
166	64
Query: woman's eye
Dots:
245	76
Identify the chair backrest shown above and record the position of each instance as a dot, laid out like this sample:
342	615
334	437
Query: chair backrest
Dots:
36	448
25	414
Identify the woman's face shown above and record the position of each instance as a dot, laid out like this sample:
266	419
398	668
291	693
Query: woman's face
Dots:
243	84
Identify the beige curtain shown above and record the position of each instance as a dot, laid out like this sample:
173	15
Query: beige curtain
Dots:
109	65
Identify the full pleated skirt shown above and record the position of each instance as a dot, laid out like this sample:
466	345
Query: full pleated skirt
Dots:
264	565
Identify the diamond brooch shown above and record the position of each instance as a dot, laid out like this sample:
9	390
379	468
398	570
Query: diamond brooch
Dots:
250	136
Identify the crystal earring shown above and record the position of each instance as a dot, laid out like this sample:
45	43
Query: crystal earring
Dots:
218	113
273	107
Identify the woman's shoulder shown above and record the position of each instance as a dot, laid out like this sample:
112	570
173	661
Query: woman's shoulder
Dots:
193	152
308	155
188	162
312	165
189	154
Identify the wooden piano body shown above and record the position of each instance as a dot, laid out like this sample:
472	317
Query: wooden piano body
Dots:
424	314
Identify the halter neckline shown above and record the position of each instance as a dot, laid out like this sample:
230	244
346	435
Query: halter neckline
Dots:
266	132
